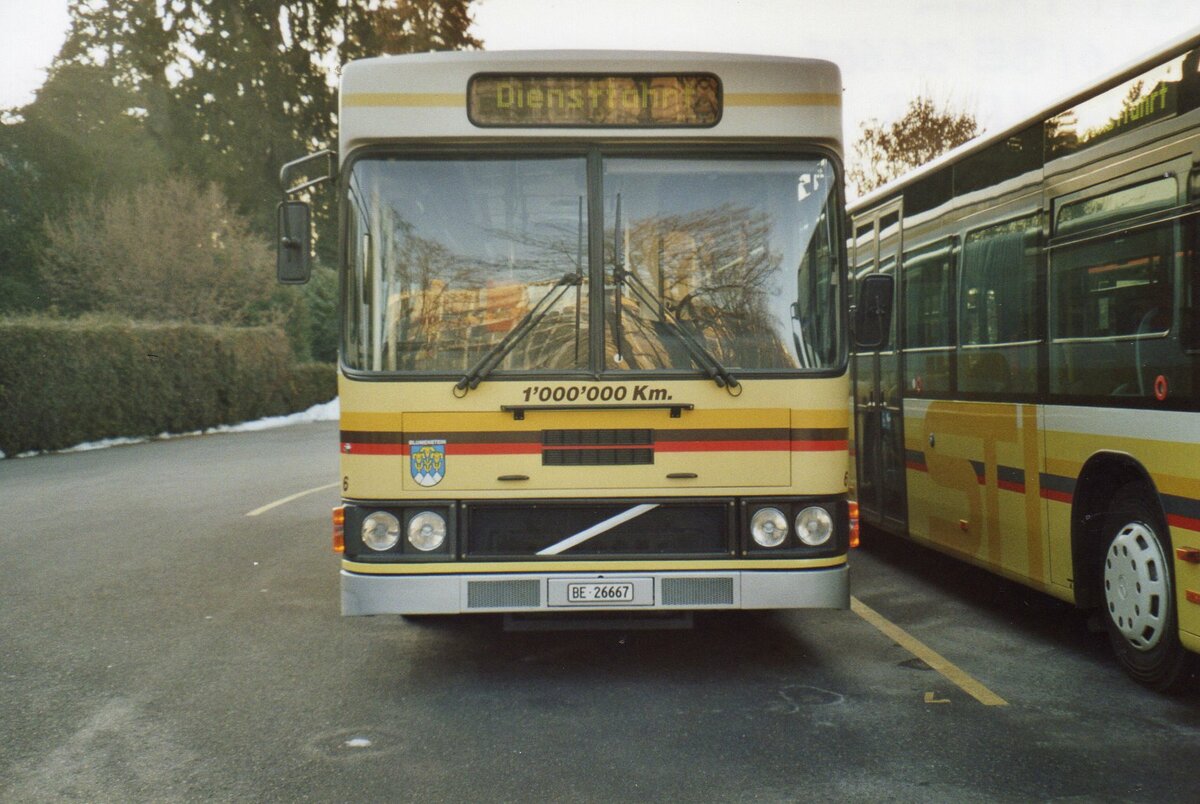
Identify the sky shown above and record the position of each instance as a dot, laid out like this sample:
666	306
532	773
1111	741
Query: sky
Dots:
1002	60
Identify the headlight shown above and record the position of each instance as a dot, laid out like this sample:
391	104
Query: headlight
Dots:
380	531
427	531
769	527
814	526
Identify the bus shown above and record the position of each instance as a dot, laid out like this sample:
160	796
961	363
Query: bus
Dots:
593	339
1035	406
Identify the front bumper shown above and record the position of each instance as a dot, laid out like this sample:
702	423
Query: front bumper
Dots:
822	588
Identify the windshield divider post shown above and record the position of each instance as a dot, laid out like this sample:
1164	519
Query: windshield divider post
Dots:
619	275
579	283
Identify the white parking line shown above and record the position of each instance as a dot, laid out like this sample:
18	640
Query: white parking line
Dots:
296	496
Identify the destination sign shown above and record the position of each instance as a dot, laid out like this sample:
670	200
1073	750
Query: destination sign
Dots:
594	100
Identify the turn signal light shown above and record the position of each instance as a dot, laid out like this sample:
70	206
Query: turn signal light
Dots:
1189	554
853	524
1193	597
339	529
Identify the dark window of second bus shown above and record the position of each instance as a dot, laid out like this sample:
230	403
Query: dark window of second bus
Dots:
928	288
1191	314
1112	297
997	309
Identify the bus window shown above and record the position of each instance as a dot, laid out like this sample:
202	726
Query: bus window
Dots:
450	255
1121	204
1189	330
716	247
815	333
928	289
997	309
1112	298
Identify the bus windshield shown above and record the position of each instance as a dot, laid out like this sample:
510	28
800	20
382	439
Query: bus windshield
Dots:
447	257
737	253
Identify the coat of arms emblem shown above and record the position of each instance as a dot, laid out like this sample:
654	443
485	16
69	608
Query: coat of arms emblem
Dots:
427	461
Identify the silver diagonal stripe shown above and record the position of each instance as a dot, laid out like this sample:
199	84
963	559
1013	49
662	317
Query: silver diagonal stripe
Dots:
595	530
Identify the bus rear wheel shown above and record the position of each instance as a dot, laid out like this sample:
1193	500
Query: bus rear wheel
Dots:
1138	585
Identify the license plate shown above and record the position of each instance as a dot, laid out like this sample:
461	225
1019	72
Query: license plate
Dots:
601	592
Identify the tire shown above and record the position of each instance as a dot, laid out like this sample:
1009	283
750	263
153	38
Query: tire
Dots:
1137	580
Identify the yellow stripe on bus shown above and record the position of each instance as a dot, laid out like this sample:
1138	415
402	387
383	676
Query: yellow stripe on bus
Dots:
783	99
407	99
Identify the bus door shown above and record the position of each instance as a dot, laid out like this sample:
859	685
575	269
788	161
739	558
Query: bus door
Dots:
879	426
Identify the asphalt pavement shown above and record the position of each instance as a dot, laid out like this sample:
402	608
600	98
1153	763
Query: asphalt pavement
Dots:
159	644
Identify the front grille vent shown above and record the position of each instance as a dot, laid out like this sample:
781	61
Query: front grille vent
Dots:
504	594
697	591
597	447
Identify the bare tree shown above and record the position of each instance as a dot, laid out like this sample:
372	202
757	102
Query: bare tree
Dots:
885	151
171	250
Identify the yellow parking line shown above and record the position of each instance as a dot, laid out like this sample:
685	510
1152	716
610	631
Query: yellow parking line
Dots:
285	500
948	669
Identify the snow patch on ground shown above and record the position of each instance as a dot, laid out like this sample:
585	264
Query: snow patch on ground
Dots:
324	412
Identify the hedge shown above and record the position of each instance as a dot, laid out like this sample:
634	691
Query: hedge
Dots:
64	382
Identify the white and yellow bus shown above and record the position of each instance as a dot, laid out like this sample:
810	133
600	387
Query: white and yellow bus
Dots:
593	345
1036	409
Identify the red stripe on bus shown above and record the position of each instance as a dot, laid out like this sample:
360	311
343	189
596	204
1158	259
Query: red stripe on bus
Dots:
360	448
1185	522
819	446
916	467
499	448
721	446
1009	485
1058	496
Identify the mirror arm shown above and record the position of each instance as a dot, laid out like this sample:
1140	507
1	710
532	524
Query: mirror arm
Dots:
288	169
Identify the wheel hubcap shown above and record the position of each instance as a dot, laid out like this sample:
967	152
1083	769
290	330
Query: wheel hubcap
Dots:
1136	585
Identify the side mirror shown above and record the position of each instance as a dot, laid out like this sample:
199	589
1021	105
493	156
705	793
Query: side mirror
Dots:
873	313
293	264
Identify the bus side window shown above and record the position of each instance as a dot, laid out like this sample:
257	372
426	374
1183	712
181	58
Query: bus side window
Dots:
997	309
1113	301
1190	325
927	286
815	333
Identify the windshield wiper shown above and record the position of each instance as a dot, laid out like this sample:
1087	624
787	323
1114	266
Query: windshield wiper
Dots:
470	381
703	358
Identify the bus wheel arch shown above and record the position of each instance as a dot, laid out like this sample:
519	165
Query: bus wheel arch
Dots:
1102	477
1128	572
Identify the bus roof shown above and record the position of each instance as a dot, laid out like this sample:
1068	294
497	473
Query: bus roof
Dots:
425	96
1133	69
